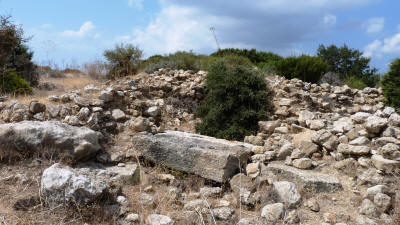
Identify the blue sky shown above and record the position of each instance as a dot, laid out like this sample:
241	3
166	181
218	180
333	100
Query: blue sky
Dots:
77	31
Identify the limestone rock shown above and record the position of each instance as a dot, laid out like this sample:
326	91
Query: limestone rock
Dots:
308	180
268	127
374	124
287	193
61	185
78	142
368	208
208	157
386	165
272	212
157	219
118	115
353	150
303	163
140	124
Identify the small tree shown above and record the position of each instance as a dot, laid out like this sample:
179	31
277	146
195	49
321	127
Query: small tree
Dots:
349	63
16	66
304	67
237	99
391	85
124	60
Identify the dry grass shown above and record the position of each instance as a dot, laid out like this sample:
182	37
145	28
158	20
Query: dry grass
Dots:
69	83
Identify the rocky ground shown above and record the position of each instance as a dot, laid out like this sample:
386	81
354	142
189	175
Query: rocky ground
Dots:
125	152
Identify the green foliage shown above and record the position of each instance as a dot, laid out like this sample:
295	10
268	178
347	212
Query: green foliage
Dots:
123	59
179	60
11	83
349	63
355	82
391	85
21	60
256	57
237	99
304	67
15	59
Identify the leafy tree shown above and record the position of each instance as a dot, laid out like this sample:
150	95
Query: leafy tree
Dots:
349	63
21	60
304	67
15	59
124	60
237	99
391	85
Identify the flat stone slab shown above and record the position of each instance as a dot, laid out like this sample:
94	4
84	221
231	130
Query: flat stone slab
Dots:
208	157
308	180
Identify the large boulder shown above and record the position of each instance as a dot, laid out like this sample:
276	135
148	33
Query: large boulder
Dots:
62	185
208	157
88	183
307	180
76	142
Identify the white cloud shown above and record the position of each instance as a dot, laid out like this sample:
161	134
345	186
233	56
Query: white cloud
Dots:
374	25
46	26
264	24
136	3
389	45
83	30
330	20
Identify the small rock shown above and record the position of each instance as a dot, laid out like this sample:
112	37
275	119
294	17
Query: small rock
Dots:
287	193
132	217
223	213
36	107
386	165
382	201
304	163
313	205
329	218
368	208
253	169
157	219
118	115
272	212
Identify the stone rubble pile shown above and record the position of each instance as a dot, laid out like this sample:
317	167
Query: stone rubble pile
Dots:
328	155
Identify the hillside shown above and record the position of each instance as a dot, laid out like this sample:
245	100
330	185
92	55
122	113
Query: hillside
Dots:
126	152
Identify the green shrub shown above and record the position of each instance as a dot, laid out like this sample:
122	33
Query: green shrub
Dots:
237	99
391	85
355	82
15	58
151	68
256	57
10	82
124	60
21	60
304	67
349	63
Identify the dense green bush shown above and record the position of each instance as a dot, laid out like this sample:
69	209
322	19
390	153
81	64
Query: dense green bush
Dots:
391	85
304	67
355	82
15	59
349	63
123	60
237	99
256	57
11	83
179	60
21	60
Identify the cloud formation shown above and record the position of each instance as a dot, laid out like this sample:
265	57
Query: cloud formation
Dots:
136	3
264	24
85	29
374	25
389	45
